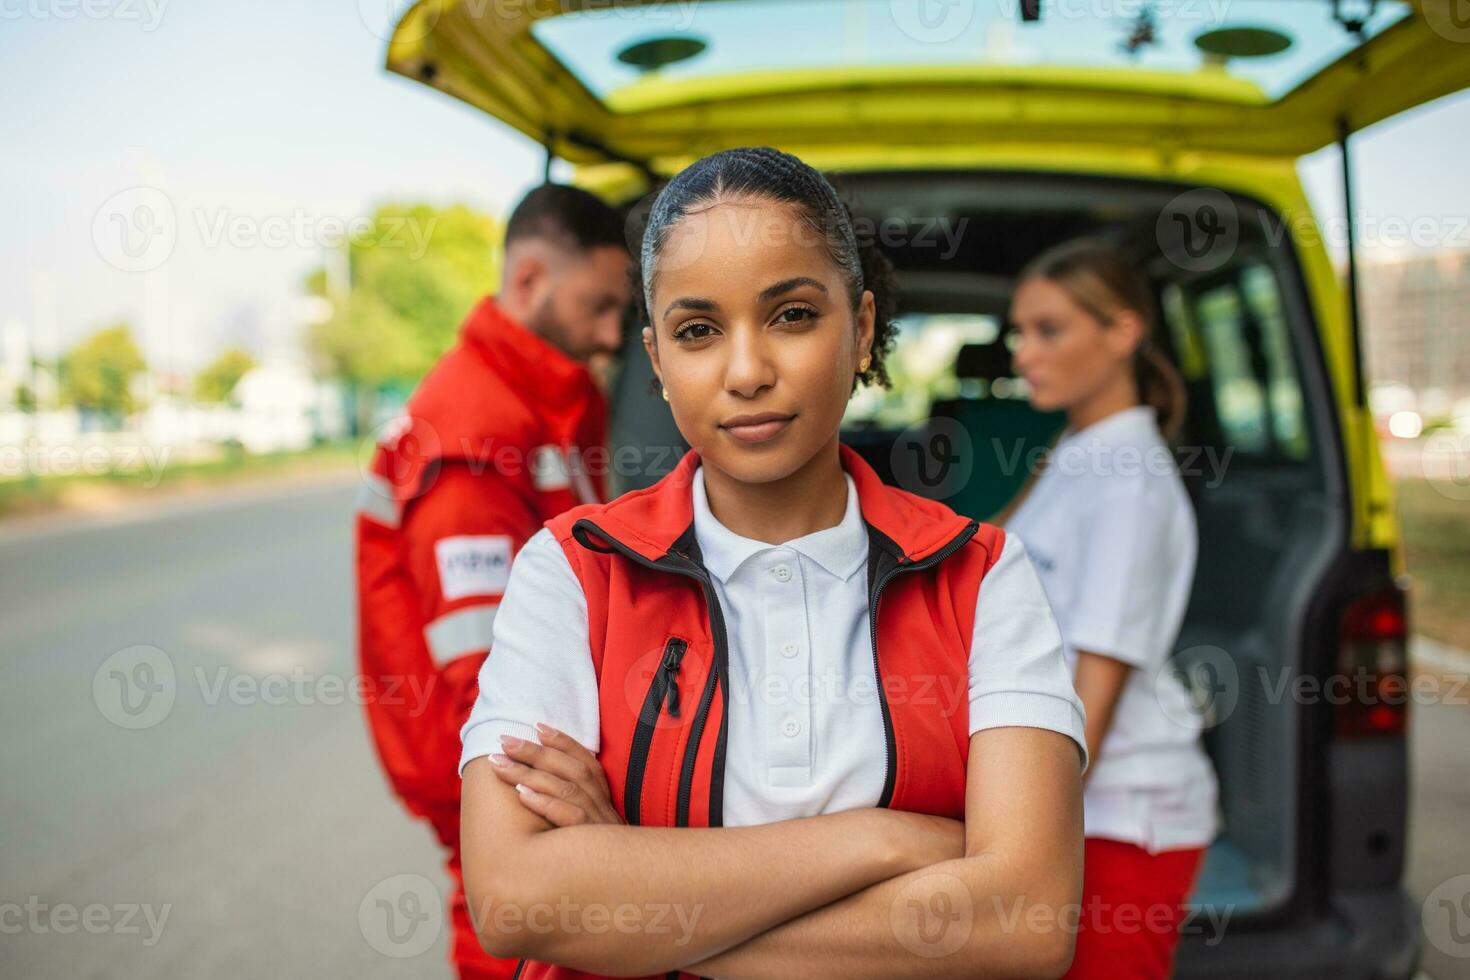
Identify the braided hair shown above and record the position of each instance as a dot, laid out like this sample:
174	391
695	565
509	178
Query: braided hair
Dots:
766	173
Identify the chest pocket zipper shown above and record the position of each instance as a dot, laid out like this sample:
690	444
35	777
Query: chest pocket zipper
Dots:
663	693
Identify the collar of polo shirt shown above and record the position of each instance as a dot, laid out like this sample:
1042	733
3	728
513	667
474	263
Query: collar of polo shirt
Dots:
840	550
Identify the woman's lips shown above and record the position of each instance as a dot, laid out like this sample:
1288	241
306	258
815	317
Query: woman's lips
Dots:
759	431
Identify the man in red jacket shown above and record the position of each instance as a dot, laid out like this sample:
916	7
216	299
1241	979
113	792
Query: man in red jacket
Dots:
493	442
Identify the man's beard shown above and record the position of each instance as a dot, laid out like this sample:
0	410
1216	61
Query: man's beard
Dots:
546	324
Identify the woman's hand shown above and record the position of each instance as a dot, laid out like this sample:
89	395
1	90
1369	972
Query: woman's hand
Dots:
558	779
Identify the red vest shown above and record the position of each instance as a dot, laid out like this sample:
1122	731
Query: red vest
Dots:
662	659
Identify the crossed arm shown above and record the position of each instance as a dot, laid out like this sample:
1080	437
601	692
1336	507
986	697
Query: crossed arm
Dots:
552	874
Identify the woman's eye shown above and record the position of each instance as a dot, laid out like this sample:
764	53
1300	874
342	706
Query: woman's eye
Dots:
683	333
795	314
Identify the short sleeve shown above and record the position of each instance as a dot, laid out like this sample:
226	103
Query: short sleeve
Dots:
540	663
1124	570
1018	672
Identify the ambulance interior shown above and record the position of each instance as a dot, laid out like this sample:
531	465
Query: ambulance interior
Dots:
1259	454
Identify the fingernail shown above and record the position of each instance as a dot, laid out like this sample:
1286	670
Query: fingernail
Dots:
500	760
525	790
510	741
546	729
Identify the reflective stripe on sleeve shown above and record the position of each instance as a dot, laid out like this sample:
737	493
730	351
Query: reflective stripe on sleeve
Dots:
460	632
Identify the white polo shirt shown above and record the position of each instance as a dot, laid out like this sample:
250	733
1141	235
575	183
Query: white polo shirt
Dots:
1112	532
805	733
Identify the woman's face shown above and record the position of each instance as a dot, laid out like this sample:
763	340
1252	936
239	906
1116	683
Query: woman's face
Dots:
1064	353
757	343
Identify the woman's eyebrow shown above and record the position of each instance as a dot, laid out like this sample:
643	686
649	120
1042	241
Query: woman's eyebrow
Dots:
786	285
690	303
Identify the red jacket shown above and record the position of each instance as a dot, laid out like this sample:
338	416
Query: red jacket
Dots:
490	446
660	651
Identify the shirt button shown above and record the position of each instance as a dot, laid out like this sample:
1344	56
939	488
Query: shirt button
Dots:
782	573
791	728
789	649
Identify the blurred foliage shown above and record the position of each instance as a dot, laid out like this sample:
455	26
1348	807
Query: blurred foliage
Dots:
1437	554
98	373
410	280
89	492
219	377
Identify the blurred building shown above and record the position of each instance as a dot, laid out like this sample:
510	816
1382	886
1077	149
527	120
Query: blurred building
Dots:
1416	327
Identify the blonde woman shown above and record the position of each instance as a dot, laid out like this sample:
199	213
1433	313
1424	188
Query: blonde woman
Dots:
1112	533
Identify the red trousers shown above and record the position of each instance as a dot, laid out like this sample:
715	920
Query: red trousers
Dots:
1132	907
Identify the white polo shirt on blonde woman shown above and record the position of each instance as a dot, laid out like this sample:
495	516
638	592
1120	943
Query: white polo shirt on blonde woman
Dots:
1110	528
806	730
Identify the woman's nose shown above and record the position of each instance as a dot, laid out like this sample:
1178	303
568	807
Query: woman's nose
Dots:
749	368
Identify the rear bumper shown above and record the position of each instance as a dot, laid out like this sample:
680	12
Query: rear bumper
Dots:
1366	936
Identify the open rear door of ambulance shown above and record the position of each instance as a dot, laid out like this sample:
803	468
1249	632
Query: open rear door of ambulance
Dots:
660	81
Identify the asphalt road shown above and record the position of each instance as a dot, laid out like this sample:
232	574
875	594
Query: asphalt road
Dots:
240	833
231	819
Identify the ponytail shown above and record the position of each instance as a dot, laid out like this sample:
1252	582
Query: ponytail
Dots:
1160	386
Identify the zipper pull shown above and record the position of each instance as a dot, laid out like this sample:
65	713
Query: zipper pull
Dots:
672	655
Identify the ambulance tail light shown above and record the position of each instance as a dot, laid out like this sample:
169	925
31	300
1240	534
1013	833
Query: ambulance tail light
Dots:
1373	666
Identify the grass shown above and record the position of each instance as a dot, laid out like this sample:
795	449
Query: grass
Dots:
1436	527
85	492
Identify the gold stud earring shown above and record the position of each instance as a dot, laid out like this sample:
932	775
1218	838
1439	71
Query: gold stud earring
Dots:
666	394
863	364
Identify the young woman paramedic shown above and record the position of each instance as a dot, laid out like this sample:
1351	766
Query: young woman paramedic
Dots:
770	717
1110	527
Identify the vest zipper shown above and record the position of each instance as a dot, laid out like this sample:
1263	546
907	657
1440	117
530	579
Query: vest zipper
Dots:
673	653
665	685
954	544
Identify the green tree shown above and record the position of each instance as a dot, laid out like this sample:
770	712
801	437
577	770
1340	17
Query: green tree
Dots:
98	373
25	397
410	281
219	377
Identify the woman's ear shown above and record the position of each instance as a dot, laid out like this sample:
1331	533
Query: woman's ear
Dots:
651	348
866	324
1126	332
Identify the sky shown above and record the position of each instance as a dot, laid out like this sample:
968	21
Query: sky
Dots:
268	125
